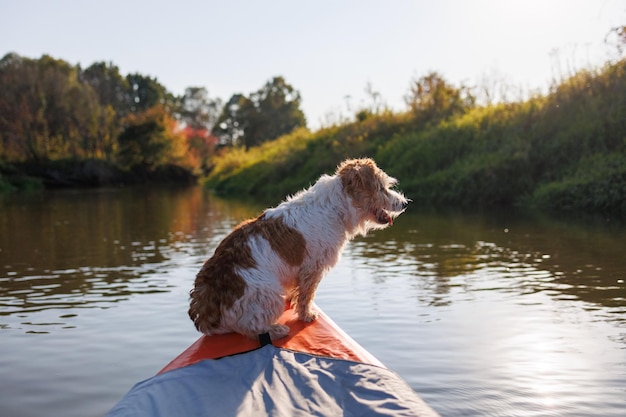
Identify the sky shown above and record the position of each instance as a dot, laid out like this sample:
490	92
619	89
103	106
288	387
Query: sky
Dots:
328	50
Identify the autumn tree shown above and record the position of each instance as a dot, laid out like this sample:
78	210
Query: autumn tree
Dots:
22	123
198	113
46	112
150	139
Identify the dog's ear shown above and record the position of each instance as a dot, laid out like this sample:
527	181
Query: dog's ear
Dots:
358	175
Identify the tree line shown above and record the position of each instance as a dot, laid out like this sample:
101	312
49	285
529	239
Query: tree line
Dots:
454	145
53	110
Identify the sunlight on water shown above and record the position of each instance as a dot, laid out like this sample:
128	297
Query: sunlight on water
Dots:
483	328
480	314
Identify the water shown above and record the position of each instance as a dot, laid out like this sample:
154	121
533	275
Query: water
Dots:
482	314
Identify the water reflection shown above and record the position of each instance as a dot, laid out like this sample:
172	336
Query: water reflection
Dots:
514	253
78	249
94	248
497	315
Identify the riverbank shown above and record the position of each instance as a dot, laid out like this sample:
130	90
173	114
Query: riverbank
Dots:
70	173
564	151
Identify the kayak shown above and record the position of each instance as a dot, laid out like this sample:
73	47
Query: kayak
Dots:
316	370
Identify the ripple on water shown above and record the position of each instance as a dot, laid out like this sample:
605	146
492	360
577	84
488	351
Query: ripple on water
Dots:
480	322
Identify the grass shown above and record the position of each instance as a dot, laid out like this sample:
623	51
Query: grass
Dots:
561	151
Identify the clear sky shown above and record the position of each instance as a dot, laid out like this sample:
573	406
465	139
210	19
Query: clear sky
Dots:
326	49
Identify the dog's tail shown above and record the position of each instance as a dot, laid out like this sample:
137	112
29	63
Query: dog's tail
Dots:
215	290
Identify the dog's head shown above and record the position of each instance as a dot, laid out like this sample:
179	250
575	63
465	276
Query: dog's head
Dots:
371	191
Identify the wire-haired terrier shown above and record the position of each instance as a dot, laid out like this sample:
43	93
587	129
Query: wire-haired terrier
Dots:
284	253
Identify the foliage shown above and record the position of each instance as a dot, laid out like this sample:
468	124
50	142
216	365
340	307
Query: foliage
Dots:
230	124
112	89
197	110
272	111
564	150
51	110
292	161
251	173
597	185
46	112
201	146
146	92
432	99
150	139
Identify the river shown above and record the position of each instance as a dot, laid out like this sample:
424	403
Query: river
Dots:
506	314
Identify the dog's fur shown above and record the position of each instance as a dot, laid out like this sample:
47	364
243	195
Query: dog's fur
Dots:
285	252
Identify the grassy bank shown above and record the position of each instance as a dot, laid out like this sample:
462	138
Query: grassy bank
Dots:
562	151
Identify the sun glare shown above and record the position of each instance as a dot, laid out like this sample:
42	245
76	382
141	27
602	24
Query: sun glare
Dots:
541	363
526	40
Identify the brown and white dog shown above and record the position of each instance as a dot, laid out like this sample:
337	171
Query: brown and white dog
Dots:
285	252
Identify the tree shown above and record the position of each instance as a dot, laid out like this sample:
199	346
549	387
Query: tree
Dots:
197	110
47	113
21	120
229	126
151	139
50	109
146	92
432	99
266	114
278	112
199	113
111	87
201	145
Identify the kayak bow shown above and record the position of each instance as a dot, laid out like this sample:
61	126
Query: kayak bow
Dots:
316	370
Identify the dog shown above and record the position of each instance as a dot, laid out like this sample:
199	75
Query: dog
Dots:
282	255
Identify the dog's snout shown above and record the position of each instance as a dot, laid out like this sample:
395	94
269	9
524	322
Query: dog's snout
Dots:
405	204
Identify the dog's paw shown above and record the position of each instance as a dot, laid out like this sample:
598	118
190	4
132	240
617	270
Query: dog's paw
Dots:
309	316
278	331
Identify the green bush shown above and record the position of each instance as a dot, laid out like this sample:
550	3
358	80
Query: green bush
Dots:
598	185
